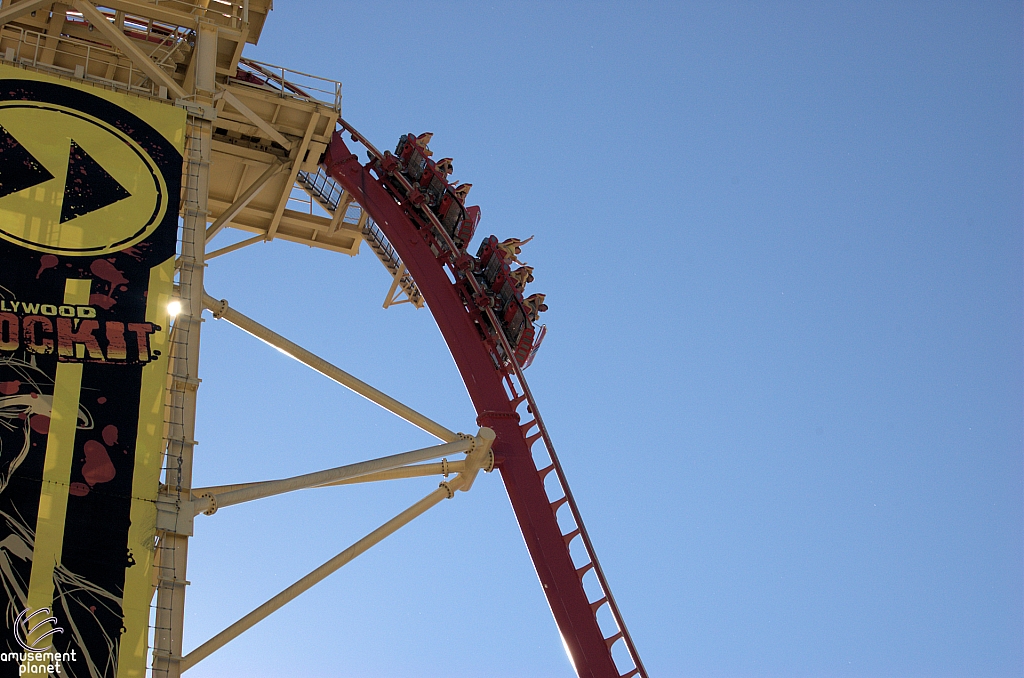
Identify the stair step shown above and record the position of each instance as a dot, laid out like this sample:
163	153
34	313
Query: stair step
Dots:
327	194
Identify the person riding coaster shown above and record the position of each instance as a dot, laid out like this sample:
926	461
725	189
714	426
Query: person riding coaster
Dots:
422	140
444	165
522	276
535	305
513	247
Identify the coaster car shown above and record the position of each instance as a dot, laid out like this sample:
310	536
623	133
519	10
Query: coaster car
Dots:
430	188
494	272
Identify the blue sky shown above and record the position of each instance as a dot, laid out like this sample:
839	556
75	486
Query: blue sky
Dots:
782	248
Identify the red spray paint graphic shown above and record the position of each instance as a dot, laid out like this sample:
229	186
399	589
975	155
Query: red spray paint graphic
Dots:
104	270
46	262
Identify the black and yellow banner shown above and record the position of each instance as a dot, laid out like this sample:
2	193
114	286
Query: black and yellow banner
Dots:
89	193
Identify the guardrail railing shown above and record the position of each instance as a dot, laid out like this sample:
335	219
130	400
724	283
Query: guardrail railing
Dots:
287	82
79	58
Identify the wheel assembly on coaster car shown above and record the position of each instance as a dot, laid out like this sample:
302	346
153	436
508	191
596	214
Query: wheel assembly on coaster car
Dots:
492	332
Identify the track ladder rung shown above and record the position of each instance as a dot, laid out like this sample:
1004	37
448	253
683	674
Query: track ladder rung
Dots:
611	641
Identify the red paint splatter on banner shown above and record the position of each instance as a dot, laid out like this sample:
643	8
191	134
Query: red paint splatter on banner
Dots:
110	435
78	489
46	262
102	268
97	468
9	387
102	300
40	423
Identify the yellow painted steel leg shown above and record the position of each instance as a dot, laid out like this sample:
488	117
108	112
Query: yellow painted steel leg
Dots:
274	487
441	468
172	553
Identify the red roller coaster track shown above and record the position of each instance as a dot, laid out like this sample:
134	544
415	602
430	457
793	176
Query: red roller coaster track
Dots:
497	401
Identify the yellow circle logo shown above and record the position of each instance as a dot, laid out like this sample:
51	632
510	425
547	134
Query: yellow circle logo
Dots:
73	184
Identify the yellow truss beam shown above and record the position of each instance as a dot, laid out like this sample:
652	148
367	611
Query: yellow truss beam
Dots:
121	42
21	9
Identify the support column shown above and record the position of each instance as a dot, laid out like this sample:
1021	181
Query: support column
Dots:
172	546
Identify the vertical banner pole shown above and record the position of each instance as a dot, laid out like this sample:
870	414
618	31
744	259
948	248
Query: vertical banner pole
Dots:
172	549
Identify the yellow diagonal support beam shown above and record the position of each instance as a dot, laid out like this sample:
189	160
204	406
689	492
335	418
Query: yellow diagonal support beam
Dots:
243	200
479	459
21	9
255	119
221	309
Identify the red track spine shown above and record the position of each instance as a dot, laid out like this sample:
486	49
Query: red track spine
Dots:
536	515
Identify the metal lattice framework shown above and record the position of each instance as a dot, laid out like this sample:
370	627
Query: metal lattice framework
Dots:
265	154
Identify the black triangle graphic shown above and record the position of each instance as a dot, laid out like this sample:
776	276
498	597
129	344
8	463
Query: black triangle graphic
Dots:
18	168
89	187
